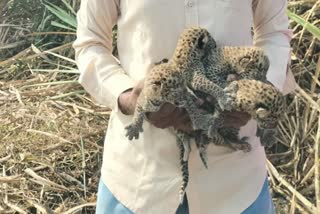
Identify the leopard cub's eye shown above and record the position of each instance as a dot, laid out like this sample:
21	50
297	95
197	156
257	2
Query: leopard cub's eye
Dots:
158	83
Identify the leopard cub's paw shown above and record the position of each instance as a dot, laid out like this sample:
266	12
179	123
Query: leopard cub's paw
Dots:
232	88
244	145
132	131
268	141
227	102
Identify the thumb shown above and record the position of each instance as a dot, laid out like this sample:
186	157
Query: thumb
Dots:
138	88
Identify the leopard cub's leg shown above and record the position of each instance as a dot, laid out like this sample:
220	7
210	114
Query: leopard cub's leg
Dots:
198	118
184	169
232	136
268	137
230	139
133	129
185	139
142	106
243	145
187	100
201	83
231	94
217	139
217	121
202	142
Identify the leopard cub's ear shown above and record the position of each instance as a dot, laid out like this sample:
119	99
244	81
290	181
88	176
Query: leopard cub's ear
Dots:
164	60
262	112
244	61
203	40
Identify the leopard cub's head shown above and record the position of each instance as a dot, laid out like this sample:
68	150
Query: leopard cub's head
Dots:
193	44
268	116
162	81
254	59
265	118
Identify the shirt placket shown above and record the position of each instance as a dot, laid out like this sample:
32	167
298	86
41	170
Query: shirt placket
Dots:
191	13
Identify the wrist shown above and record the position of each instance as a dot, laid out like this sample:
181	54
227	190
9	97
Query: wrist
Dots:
125	102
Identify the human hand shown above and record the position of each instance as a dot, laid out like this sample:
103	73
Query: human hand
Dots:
232	119
128	99
235	119
170	116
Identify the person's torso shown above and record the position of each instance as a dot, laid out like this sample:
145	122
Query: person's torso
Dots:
145	174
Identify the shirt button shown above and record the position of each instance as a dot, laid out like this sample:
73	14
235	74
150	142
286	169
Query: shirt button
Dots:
190	4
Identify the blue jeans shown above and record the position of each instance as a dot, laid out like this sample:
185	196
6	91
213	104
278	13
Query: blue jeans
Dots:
108	204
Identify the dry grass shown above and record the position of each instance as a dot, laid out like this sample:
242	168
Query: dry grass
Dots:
51	138
51	132
294	162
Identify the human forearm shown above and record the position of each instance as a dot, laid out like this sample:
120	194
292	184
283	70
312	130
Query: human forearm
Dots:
277	48
126	103
100	73
272	34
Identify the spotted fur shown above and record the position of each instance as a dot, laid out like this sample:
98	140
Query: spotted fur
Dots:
197	69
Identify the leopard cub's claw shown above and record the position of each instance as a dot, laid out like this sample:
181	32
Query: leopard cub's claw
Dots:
132	131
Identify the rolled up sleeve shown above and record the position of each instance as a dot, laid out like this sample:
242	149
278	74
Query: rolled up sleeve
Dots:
100	72
272	34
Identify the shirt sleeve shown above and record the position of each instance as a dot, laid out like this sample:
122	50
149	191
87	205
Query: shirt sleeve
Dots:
100	73
272	34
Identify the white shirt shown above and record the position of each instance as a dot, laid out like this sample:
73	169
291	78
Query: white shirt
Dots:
144	175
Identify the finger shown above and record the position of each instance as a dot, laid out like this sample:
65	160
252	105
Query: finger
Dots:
185	118
154	117
178	116
165	121
164	112
179	113
166	109
237	119
228	124
138	88
181	118
186	127
234	122
236	114
156	120
183	122
234	125
161	125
